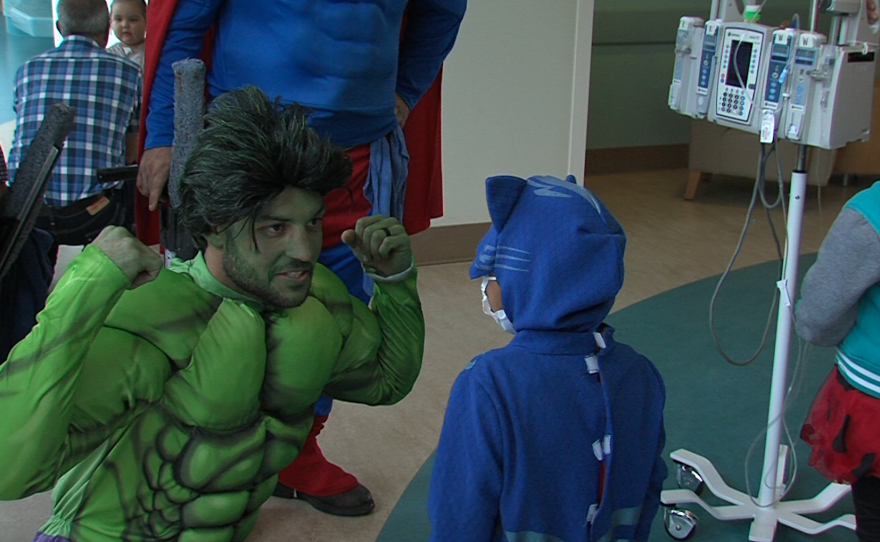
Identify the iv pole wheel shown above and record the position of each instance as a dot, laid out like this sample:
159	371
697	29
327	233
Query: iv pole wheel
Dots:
680	524
689	478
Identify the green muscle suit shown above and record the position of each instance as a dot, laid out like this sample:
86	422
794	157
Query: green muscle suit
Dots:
166	412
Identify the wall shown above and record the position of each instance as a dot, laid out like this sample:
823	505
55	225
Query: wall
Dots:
28	17
511	98
515	91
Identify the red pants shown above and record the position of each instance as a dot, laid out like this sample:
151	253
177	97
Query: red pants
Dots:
311	473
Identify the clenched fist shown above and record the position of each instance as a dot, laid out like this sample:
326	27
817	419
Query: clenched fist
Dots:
138	262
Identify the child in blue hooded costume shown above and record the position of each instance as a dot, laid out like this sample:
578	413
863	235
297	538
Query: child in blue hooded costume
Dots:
557	436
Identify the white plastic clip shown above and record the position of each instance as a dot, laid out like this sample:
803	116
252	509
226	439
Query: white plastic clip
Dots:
592	364
602	447
592	512
599	339
597	450
783	288
768	126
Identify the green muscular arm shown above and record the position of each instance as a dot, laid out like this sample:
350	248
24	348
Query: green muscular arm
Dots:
38	382
382	356
382	351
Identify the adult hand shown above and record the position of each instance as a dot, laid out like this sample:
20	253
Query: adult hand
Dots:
380	242
153	174
138	262
402	110
873	13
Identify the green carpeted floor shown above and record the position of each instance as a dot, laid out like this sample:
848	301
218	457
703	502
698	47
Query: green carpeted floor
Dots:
713	408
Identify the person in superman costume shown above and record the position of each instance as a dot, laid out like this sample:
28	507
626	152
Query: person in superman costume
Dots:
348	64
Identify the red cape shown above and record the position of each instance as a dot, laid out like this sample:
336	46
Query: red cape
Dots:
424	192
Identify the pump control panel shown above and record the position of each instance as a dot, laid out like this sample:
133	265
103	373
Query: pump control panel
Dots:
740	73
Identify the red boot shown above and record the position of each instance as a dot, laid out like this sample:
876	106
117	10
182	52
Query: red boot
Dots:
322	484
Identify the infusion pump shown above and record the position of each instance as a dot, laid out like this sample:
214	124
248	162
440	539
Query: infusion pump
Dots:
781	83
741	74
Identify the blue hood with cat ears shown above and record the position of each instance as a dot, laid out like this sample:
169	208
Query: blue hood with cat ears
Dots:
556	250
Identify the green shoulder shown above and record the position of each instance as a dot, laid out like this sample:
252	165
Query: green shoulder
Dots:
171	312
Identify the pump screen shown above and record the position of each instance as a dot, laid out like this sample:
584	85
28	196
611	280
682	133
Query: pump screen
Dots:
805	57
740	61
780	52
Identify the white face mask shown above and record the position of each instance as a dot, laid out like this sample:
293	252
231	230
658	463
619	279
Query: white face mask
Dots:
499	316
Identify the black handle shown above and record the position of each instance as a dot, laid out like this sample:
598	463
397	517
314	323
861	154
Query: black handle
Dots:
114	174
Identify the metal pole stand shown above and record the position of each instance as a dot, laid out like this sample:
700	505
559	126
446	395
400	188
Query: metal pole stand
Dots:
696	473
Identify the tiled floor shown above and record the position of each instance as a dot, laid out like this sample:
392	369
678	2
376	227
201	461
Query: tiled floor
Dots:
671	242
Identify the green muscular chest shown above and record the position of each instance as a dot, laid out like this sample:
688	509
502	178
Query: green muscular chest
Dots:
197	464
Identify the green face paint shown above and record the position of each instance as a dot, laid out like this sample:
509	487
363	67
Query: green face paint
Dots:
278	269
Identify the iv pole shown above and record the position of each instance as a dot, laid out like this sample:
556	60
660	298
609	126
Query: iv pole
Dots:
768	510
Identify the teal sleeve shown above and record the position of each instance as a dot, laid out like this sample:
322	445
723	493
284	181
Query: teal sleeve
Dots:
38	382
382	357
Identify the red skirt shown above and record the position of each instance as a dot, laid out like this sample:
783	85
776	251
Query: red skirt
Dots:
843	431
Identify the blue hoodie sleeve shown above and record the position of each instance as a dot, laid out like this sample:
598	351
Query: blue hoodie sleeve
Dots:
431	29
463	502
186	33
652	497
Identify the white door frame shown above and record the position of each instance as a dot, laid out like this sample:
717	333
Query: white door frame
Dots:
583	47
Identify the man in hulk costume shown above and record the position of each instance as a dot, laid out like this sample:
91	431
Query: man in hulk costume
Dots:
165	412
